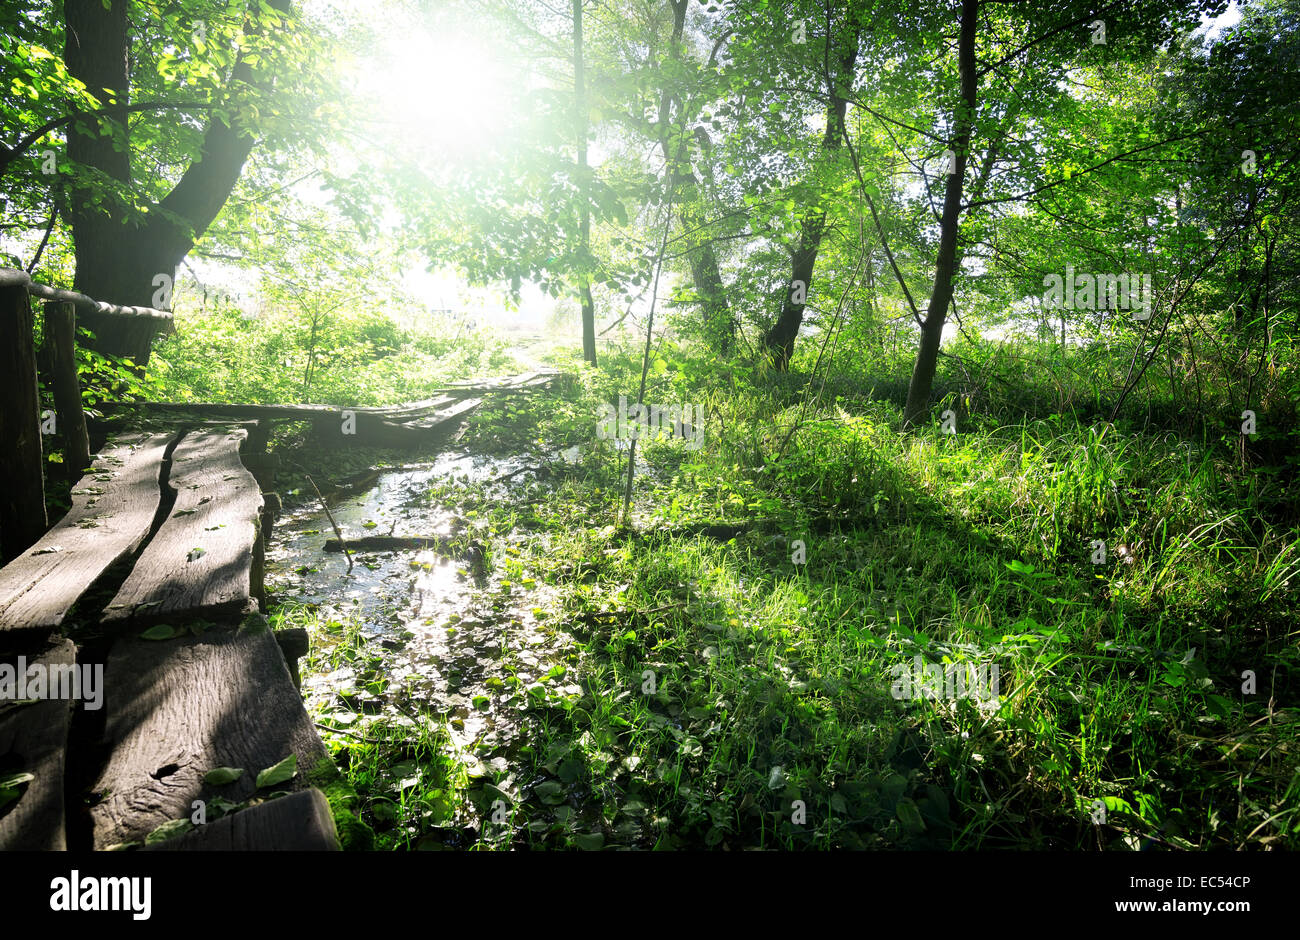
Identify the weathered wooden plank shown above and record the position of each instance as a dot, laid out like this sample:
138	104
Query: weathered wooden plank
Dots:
397	425
294	643
290	412
413	409
179	708
526	381
285	412
33	739
201	562
22	486
113	509
299	822
429	422
405	430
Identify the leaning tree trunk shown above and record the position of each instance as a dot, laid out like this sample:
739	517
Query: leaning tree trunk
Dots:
918	390
119	254
779	340
719	324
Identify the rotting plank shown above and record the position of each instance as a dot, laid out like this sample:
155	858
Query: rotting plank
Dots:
299	822
396	425
429	422
515	383
180	708
412	409
33	739
113	509
201	562
417	427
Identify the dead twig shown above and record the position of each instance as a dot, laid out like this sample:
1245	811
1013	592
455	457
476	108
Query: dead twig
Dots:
337	531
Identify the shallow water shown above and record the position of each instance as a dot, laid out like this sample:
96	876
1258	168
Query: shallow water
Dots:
441	640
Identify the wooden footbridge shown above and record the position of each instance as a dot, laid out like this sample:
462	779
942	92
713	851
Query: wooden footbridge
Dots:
138	675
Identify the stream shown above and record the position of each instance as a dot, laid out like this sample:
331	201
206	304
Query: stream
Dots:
465	648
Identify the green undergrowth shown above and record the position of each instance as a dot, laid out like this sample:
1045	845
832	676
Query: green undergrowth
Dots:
737	689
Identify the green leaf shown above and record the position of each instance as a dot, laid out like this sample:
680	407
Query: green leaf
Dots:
223	775
168	830
549	792
589	841
570	770
161	632
285	770
1218	706
909	815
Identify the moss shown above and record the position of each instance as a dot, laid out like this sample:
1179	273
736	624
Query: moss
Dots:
354	835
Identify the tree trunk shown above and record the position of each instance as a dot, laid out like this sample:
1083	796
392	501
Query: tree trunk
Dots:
96	51
779	340
22	486
718	322
719	325
918	390
119	256
580	112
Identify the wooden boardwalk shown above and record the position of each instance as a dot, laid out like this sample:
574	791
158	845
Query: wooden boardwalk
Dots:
412	424
157	568
166	528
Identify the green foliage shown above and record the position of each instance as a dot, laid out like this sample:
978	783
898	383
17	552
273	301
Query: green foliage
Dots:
357	357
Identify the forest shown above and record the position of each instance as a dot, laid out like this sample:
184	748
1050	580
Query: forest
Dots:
653	424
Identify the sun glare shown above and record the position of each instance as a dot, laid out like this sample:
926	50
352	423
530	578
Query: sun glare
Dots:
445	93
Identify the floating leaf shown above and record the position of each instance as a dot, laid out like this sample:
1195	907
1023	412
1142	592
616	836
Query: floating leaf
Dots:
223	775
278	773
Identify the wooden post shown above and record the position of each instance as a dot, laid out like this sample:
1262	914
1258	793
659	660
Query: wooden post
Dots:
22	486
61	343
